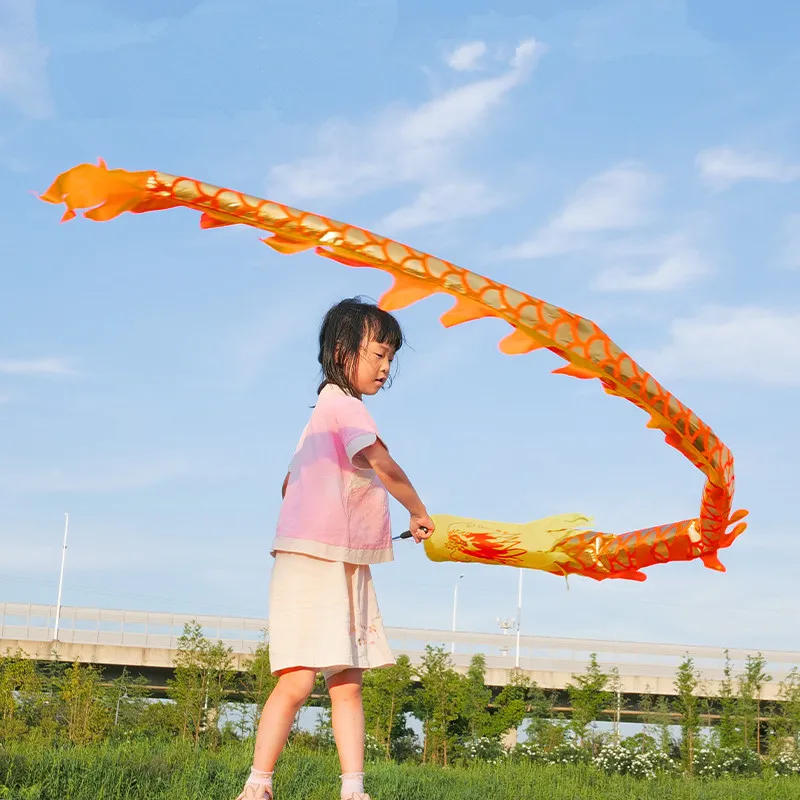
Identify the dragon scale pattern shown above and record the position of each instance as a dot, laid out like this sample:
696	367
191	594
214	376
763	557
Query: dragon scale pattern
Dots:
588	351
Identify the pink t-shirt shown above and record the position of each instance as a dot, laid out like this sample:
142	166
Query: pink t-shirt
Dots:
335	506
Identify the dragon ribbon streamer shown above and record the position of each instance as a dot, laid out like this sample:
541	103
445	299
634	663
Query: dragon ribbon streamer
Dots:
103	194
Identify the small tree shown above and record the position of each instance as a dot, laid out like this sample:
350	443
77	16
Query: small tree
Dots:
388	697
323	729
728	733
259	680
662	720
518	700
588	697
127	695
18	680
615	689
787	720
656	719
433	703
706	705
687	705
751	684
44	706
475	699
646	709
203	676
161	720
87	717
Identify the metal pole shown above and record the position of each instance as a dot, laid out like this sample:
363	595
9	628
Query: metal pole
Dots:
519	613
61	577
120	696
455	605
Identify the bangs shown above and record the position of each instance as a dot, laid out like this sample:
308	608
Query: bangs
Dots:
381	327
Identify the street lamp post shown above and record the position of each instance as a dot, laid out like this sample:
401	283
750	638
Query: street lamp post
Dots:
61	577
519	613
455	606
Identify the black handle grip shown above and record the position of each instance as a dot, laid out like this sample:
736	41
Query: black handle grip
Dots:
405	535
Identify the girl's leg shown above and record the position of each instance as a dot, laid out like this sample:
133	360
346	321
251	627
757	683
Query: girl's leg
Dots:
280	710
347	718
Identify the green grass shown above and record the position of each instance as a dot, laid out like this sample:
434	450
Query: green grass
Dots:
147	771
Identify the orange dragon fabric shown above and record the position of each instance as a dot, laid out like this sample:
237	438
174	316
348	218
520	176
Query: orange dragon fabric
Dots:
588	351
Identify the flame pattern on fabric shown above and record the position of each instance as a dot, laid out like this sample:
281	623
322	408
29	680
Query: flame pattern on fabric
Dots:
588	351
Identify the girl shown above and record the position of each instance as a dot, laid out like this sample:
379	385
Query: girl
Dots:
334	523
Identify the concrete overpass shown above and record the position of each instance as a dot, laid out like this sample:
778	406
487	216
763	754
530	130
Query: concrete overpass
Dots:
147	641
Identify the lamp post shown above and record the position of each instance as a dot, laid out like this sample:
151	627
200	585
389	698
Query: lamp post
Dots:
120	697
519	613
455	606
61	577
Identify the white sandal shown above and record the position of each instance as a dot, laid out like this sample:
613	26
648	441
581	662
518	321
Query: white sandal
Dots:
255	792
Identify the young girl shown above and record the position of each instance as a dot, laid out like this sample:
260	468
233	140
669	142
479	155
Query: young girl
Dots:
334	523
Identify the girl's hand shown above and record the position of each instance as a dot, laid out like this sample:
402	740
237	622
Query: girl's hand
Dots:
421	527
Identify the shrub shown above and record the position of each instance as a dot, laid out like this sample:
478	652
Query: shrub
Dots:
373	749
713	762
487	749
565	752
786	763
635	757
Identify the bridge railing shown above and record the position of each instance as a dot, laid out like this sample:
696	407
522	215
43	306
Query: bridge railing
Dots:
162	630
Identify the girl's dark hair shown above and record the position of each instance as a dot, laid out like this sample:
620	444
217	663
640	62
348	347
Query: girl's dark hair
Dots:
342	333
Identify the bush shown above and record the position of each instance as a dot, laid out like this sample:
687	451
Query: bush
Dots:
373	749
713	762
565	752
786	763
487	749
635	757
406	747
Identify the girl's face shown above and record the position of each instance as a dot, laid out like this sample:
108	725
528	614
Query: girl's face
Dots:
373	366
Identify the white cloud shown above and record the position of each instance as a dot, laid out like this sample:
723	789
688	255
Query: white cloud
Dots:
753	344
35	366
617	199
674	271
791	252
722	167
444	202
89	479
467	56
407	146
23	59
607	206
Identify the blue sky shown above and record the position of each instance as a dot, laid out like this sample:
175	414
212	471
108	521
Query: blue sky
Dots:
637	163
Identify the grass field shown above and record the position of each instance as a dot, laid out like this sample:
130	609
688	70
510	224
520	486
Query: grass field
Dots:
146	771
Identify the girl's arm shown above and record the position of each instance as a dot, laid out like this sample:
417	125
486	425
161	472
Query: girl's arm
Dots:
399	486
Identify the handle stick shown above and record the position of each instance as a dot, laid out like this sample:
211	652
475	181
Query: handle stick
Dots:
405	535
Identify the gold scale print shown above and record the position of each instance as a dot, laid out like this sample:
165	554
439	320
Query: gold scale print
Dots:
588	351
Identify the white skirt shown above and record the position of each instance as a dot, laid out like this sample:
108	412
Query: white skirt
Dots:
324	616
